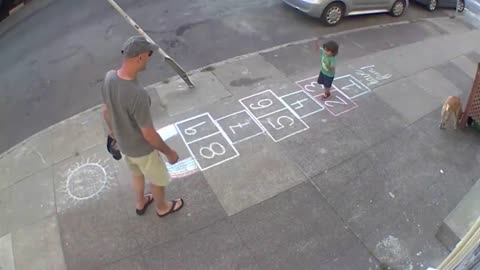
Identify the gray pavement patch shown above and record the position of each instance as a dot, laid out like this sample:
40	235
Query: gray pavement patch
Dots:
263	172
324	145
474	57
26	159
408	242
435	84
295	60
466	65
77	134
135	262
216	247
296	229
181	98
457	77
408	99
6	253
5	211
85	234
451	26
249	69
374	120
38	246
32	199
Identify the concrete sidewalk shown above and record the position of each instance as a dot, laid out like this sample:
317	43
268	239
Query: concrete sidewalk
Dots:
273	177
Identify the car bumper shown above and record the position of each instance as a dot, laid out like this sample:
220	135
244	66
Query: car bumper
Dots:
310	7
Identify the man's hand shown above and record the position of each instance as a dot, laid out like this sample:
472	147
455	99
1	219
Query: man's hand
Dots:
172	157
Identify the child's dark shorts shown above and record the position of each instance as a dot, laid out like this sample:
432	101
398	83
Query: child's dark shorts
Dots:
325	80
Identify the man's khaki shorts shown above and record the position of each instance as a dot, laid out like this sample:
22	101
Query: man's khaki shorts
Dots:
151	166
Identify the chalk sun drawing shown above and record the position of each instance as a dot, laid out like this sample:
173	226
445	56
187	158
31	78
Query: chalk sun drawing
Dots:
88	178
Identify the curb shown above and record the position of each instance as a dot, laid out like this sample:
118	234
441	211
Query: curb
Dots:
227	61
298	42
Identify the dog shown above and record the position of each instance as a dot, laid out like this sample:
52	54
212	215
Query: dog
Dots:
452	105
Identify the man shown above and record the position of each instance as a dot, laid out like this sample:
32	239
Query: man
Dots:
127	114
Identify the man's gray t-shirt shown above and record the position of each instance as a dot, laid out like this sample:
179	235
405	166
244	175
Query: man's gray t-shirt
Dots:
129	106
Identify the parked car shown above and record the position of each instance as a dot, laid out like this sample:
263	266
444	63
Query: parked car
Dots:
434	4
331	12
6	6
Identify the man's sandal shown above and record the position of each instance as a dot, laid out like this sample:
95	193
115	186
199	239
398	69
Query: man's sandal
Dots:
142	211
172	209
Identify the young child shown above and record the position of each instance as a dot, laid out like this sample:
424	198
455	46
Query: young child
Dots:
327	72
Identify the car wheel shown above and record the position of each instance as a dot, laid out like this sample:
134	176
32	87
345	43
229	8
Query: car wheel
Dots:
398	8
432	5
461	6
333	14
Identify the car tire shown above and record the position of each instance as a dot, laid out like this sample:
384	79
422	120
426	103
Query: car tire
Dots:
5	8
398	8
461	6
432	5
333	14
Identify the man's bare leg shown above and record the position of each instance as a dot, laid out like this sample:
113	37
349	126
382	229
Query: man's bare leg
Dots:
138	184
162	205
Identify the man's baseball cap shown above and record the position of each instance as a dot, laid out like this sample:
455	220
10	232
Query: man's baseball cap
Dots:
136	45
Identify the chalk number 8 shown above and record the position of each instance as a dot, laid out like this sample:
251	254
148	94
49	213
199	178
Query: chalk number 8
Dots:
209	152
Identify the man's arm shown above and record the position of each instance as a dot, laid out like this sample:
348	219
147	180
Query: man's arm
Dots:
154	139
141	113
106	117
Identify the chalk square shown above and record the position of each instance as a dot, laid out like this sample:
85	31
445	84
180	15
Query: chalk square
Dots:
239	126
303	104
338	103
262	103
282	124
197	127
351	86
311	86
212	151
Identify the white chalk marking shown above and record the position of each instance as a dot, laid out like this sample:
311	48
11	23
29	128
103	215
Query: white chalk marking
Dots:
204	137
167	132
268	114
213	153
239	125
226	116
191	130
94	166
249	137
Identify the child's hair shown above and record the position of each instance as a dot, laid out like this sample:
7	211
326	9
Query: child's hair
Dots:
331	46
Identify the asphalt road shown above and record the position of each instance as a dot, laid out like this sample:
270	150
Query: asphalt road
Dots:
53	62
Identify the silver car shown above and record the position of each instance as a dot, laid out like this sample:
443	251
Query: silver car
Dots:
332	11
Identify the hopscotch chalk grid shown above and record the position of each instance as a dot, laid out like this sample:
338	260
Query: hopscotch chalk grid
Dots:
206	141
338	103
276	117
240	126
302	103
211	142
